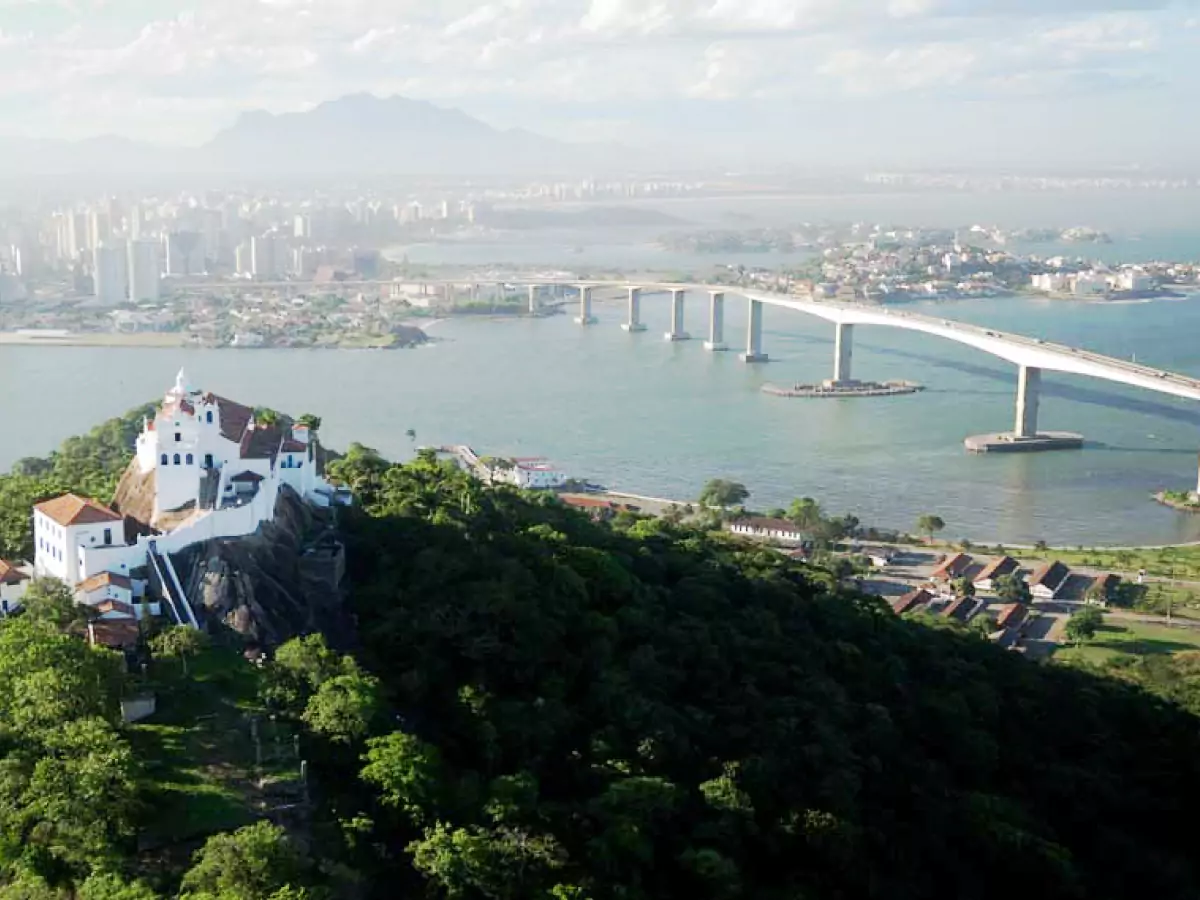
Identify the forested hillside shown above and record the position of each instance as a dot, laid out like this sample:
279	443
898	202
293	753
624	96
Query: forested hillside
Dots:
639	711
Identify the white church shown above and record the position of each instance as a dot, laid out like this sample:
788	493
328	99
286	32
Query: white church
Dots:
216	473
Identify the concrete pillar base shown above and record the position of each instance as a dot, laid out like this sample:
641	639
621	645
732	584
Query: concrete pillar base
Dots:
585	320
632	327
715	346
677	336
754	358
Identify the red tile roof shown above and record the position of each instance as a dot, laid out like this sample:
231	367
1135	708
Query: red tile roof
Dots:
952	567
1051	575
71	509
118	634
1003	565
911	600
1011	614
234	417
246	478
102	580
10	574
110	606
959	608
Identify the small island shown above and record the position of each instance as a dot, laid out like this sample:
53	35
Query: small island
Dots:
845	389
1184	501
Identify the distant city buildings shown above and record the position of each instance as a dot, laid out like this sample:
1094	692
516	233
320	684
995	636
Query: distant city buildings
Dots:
144	271
109	277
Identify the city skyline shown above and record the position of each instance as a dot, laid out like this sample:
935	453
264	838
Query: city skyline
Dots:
870	82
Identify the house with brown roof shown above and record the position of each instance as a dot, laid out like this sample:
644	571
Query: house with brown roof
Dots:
912	601
13	581
109	593
1103	589
996	568
1012	615
959	609
64	525
954	566
1048	579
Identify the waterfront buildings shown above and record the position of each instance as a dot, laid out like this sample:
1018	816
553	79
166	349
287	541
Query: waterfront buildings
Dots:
144	271
109	276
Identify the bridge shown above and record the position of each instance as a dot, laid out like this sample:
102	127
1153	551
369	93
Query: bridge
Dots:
1031	355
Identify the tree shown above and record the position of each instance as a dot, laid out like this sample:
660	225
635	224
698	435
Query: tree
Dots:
343	707
503	863
266	417
719	492
805	514
50	600
252	863
181	642
1083	624
311	421
963	588
1012	588
108	886
407	772
929	525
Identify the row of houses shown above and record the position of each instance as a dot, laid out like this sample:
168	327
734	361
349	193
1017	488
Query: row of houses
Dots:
1049	581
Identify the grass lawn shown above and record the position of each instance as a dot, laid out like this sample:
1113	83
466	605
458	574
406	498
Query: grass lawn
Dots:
1132	639
197	747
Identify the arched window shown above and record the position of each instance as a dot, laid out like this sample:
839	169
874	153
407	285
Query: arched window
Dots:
190	459
176	459
208	417
166	460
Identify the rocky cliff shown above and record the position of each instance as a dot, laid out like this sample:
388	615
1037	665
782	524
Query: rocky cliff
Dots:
282	581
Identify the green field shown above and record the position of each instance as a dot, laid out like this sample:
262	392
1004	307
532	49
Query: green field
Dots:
1133	639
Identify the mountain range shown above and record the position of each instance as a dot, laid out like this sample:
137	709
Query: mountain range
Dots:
356	135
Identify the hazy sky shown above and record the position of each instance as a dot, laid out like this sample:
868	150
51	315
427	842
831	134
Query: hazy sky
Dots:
832	79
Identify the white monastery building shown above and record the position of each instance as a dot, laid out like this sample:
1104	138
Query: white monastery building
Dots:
216	473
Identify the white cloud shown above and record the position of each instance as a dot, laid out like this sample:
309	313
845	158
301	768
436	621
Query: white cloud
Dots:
97	66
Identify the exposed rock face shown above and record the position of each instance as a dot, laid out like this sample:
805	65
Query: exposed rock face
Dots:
285	580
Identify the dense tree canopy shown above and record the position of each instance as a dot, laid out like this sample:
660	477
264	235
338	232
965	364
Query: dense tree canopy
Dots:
641	710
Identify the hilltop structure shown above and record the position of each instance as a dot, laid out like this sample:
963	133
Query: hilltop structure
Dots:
213	471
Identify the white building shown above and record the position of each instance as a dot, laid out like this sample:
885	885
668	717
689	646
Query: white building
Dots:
144	271
1134	279
216	474
768	529
111	285
1053	282
262	257
64	525
532	474
13	582
1089	284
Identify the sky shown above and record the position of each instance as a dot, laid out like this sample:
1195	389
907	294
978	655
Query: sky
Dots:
1052	82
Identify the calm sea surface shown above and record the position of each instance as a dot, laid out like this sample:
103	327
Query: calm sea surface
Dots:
647	416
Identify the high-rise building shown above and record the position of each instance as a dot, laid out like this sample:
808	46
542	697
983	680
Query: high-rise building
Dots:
99	228
110	281
144	271
302	227
262	256
136	222
77	235
183	253
241	259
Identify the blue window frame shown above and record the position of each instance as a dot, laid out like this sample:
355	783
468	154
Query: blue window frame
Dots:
166	460
190	459
177	459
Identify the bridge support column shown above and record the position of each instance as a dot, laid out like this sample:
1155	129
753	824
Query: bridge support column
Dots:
843	353
754	349
1029	388
716	321
677	333
585	316
633	322
533	300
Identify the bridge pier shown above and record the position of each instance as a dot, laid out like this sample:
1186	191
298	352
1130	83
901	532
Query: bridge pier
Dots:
716	321
677	333
1029	389
843	354
754	350
585	316
633	322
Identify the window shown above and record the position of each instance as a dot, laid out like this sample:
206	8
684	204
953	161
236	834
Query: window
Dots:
208	460
190	459
177	459
107	537
166	460
208	417
178	437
